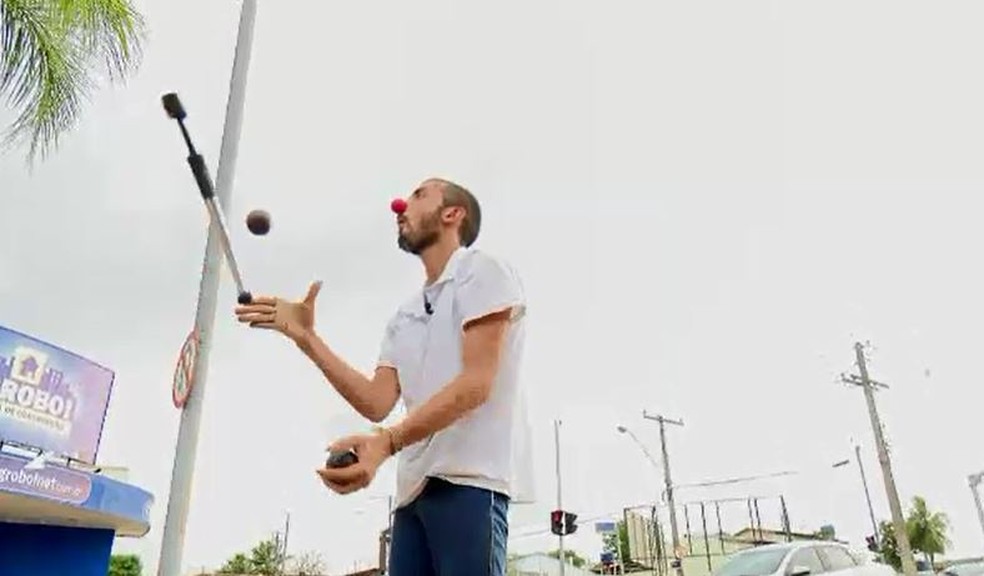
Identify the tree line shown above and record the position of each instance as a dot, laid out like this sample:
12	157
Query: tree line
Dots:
266	558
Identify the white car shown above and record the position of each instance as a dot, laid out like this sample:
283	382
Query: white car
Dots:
967	569
801	559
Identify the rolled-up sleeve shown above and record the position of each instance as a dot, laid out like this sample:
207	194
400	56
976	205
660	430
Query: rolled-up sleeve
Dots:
387	349
489	286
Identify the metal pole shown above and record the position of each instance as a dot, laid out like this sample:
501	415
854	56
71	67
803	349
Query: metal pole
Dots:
717	512
560	506
674	533
283	556
975	482
382	552
621	554
390	515
707	541
182	473
384	563
867	494
901	538
657	554
690	539
758	518
785	520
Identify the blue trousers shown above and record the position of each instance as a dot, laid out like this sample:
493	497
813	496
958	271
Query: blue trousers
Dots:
450	530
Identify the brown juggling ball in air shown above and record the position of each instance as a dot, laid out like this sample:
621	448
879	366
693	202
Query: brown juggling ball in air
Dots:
258	222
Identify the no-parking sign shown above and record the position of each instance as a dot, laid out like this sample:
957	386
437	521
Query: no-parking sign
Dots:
184	372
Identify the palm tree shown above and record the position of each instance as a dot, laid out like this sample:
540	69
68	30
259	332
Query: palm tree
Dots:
49	51
927	530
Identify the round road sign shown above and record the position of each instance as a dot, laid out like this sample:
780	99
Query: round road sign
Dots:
184	372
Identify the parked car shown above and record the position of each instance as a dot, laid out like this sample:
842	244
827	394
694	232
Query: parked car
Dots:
801	559
968	569
924	568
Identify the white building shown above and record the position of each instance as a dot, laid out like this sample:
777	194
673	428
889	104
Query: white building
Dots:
543	565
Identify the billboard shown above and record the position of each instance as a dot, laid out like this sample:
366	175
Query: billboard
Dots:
606	527
50	398
59	484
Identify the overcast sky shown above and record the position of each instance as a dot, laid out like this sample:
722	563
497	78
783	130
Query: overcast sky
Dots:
708	202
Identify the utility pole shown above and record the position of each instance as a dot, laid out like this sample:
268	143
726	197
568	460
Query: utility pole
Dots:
868	385
674	532
867	495
975	482
560	506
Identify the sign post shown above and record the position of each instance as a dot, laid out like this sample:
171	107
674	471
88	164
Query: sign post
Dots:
179	494
184	371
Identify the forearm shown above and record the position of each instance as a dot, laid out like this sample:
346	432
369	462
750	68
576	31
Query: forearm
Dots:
356	388
481	346
456	399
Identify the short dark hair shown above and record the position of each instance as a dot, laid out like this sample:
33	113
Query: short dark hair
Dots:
456	195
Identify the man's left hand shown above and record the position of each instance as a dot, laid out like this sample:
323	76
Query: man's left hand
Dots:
372	450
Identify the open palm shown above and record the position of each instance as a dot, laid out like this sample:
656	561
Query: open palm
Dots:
293	319
49	50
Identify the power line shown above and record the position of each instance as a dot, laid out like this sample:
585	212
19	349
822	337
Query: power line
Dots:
735	480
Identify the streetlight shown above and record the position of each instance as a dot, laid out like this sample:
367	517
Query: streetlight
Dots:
867	493
649	456
652	460
864	482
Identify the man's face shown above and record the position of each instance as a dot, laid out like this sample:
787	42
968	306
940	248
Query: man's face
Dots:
420	225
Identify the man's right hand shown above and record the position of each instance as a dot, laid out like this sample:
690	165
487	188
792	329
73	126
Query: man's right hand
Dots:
292	319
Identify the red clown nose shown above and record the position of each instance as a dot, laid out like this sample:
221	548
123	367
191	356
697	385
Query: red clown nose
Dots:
399	206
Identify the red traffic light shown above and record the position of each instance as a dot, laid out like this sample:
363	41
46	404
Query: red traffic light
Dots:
557	522
562	523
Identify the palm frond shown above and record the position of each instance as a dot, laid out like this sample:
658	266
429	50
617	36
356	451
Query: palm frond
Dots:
48	51
39	71
109	29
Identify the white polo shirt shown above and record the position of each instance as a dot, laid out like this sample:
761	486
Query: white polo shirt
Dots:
490	446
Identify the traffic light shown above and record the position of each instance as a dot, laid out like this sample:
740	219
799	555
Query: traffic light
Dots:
570	523
557	522
872	543
563	523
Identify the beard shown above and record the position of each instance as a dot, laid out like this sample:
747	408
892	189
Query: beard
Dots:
426	234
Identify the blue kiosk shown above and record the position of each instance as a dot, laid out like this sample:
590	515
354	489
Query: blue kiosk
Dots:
59	511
